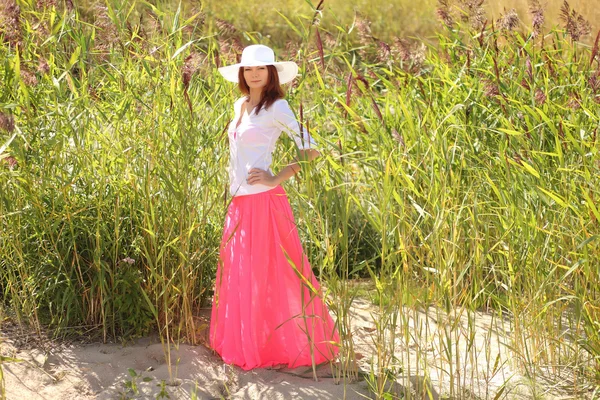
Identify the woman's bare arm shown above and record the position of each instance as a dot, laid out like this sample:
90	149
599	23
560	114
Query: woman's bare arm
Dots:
293	168
257	175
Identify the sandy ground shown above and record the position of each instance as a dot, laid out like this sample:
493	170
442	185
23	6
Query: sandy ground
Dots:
481	363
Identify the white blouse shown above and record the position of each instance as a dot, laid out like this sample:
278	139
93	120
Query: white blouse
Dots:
251	144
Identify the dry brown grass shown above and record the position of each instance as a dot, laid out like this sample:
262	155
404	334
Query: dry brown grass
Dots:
389	18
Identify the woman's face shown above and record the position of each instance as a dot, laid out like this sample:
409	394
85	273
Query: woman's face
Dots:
256	77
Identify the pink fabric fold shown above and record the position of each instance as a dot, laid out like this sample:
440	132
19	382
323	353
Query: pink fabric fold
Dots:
268	306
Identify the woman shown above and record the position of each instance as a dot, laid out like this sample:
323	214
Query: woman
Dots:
267	309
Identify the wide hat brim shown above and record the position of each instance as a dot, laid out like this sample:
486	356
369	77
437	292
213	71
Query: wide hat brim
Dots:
287	70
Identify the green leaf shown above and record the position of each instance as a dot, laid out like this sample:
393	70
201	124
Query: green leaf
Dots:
75	56
587	241
554	196
529	168
588	202
182	48
510	132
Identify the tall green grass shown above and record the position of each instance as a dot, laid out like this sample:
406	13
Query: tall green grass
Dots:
458	178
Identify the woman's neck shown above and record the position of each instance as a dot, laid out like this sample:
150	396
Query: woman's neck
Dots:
255	96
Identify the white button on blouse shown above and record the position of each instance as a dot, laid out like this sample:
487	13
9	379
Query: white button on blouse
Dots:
251	144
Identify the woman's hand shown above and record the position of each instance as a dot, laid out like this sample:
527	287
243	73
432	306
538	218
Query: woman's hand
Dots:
257	175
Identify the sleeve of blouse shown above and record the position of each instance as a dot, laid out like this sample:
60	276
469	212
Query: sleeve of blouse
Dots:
284	119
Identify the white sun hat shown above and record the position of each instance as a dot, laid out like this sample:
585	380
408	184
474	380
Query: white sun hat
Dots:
256	55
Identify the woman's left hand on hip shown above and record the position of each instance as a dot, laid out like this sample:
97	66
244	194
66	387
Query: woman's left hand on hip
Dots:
257	175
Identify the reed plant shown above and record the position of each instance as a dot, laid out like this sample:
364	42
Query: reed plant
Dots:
458	180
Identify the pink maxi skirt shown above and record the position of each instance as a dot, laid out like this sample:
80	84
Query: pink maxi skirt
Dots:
267	308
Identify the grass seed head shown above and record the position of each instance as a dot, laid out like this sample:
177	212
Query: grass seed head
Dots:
329	40
10	22
200	19
363	25
230	50
418	57
574	102
10	161
401	49
128	260
7	122
508	21
359	88
537	16
28	77
108	34
40	30
152	22
583	26
540	97
225	28
473	13
444	14
397	137
594	83
384	51
41	4
43	67
594	55
490	88
291	50
238	47
316	21
574	23
317	18
191	65
137	34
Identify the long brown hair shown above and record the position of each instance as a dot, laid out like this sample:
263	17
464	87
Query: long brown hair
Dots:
271	92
